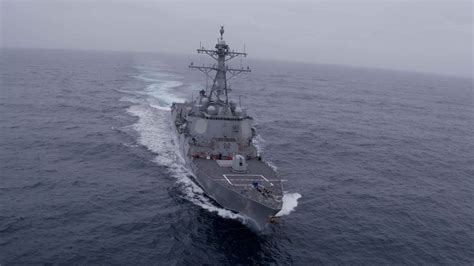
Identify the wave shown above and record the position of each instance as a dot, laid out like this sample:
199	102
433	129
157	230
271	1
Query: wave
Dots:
290	201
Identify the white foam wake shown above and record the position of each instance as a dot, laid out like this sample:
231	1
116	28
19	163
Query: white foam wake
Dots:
259	142
290	201
160	88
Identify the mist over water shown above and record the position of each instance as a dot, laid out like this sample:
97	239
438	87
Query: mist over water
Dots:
378	164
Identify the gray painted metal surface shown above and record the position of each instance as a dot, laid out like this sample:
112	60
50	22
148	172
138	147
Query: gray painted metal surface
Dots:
216	136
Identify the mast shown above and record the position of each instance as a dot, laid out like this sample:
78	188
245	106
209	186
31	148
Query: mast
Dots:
221	54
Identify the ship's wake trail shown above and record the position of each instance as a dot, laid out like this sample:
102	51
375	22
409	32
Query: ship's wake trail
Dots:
155	132
159	88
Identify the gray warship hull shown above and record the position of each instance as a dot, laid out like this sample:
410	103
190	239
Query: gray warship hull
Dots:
215	136
210	177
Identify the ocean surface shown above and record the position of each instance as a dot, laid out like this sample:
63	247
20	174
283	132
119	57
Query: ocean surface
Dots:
379	164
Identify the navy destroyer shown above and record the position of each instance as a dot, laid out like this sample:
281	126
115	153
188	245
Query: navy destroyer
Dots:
216	137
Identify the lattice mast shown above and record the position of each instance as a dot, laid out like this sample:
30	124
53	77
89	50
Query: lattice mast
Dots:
221	54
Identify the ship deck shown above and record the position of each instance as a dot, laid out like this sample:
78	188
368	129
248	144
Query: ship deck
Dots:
260	183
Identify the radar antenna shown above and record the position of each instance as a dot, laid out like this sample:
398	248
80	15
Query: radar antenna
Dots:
221	54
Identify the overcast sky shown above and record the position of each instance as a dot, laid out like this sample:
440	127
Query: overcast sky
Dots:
426	36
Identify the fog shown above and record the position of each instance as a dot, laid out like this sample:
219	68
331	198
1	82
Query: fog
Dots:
424	36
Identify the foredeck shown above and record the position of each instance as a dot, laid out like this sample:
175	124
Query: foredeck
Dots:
260	183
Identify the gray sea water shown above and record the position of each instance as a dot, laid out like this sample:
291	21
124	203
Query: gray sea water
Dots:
380	164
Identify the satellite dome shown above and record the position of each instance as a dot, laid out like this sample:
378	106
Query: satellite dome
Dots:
238	111
211	110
